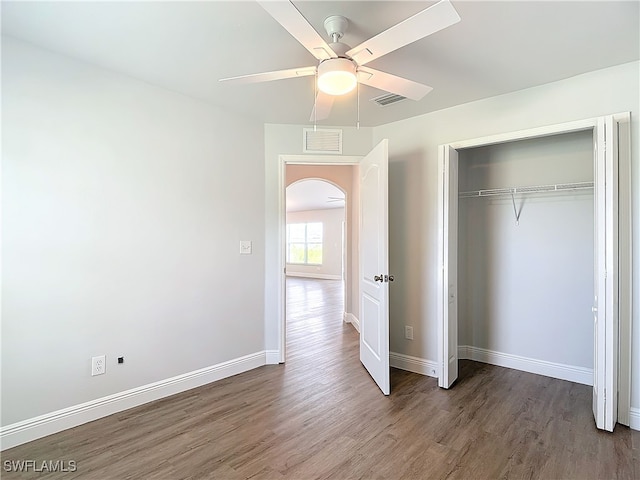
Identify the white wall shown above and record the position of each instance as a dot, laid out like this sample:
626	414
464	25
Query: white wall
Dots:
413	186
527	289
332	220
122	216
287	140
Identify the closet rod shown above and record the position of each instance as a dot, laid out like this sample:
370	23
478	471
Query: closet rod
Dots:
558	187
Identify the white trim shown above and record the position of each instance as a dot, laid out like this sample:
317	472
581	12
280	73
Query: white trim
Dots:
352	319
634	418
413	364
319	276
320	159
53	422
282	256
272	357
540	367
528	133
625	259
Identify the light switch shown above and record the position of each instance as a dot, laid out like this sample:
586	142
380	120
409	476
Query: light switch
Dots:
245	247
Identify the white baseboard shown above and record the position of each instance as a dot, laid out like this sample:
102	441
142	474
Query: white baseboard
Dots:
634	418
352	319
541	367
319	276
47	424
272	357
413	364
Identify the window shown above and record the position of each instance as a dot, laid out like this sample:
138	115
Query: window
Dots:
304	243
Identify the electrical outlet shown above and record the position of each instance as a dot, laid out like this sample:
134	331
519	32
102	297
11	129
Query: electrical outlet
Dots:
408	332
98	366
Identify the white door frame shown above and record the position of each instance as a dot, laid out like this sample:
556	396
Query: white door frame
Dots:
624	258
283	161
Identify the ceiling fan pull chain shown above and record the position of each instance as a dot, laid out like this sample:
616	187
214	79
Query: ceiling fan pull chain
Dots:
358	95
315	102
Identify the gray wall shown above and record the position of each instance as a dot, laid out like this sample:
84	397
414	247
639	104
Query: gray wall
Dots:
121	225
527	289
413	186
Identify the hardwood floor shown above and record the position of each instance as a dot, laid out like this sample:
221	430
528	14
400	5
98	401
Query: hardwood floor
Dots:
321	416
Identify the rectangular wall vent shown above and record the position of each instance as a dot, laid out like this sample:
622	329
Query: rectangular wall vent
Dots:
388	99
322	140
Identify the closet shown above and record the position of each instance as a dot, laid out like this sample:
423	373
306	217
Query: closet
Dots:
525	260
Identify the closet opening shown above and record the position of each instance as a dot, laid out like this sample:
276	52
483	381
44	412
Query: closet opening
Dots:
535	247
525	255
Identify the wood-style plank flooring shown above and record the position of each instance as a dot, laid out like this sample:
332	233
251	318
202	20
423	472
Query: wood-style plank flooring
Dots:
321	416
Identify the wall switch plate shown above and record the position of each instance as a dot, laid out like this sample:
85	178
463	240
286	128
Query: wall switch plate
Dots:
98	366
245	247
408	332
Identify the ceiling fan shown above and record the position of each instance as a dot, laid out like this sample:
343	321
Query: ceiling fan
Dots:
341	67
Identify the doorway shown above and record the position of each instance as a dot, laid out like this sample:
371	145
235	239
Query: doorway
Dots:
341	172
315	253
370	241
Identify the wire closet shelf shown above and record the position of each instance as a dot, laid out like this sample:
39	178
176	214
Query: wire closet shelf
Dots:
558	187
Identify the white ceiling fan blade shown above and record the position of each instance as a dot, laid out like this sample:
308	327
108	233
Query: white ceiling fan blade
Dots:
269	76
322	108
426	22
392	83
287	15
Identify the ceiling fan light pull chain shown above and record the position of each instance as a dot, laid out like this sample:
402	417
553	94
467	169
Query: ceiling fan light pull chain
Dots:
315	102
358	96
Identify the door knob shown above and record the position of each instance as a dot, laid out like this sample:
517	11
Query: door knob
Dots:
388	278
378	278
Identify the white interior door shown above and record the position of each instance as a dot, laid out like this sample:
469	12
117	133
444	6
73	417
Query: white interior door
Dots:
448	261
606	308
374	265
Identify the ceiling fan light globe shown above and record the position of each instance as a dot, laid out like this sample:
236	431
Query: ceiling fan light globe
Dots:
337	76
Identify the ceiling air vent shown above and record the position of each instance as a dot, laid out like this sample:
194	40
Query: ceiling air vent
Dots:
322	140
388	99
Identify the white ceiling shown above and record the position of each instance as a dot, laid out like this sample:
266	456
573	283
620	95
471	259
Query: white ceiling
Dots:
313	195
498	47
